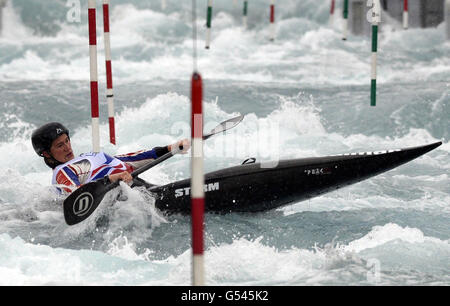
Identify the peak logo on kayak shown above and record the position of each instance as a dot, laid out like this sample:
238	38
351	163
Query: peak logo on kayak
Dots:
206	188
318	171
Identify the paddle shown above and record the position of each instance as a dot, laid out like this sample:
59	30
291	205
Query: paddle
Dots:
81	203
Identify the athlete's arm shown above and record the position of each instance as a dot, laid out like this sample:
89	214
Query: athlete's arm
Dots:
143	157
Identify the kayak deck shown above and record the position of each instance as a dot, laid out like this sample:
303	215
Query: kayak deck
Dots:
258	187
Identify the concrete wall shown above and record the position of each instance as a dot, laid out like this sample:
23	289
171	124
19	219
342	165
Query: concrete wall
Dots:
357	15
422	13
2	5
447	18
358	23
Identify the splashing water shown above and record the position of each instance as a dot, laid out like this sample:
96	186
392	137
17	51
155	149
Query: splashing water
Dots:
306	94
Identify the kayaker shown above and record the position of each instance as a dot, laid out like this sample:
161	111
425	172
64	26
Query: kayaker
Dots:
52	142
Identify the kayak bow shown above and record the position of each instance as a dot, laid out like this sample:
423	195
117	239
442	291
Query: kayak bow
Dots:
254	188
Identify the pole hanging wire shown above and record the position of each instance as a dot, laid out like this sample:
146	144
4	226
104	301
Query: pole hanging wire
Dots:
194	32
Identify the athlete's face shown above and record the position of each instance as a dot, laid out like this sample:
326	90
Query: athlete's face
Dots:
61	149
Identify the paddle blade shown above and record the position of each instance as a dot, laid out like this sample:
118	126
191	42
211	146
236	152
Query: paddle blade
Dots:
81	203
226	125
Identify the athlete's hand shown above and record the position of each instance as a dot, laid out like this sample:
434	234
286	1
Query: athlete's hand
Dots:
122	176
185	143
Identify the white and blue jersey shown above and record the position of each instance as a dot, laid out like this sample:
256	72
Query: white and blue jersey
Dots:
90	167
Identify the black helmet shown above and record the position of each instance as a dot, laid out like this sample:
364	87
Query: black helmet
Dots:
43	137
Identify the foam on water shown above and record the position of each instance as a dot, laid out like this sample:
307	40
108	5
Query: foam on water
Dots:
304	95
149	44
244	262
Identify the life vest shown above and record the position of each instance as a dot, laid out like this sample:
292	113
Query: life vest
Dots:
86	168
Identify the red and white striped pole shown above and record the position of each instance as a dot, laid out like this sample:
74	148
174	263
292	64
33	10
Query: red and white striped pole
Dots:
333	4
94	74
272	20
405	14
197	180
109	83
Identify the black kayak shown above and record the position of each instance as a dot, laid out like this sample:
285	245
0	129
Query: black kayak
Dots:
255	187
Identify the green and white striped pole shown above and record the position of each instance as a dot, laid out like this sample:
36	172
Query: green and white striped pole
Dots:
208	24
376	18
345	22
244	18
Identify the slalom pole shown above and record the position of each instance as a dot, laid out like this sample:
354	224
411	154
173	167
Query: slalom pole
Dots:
93	74
244	18
197	180
109	83
345	23
197	175
163	4
208	24
272	20
376	15
405	14
333	4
